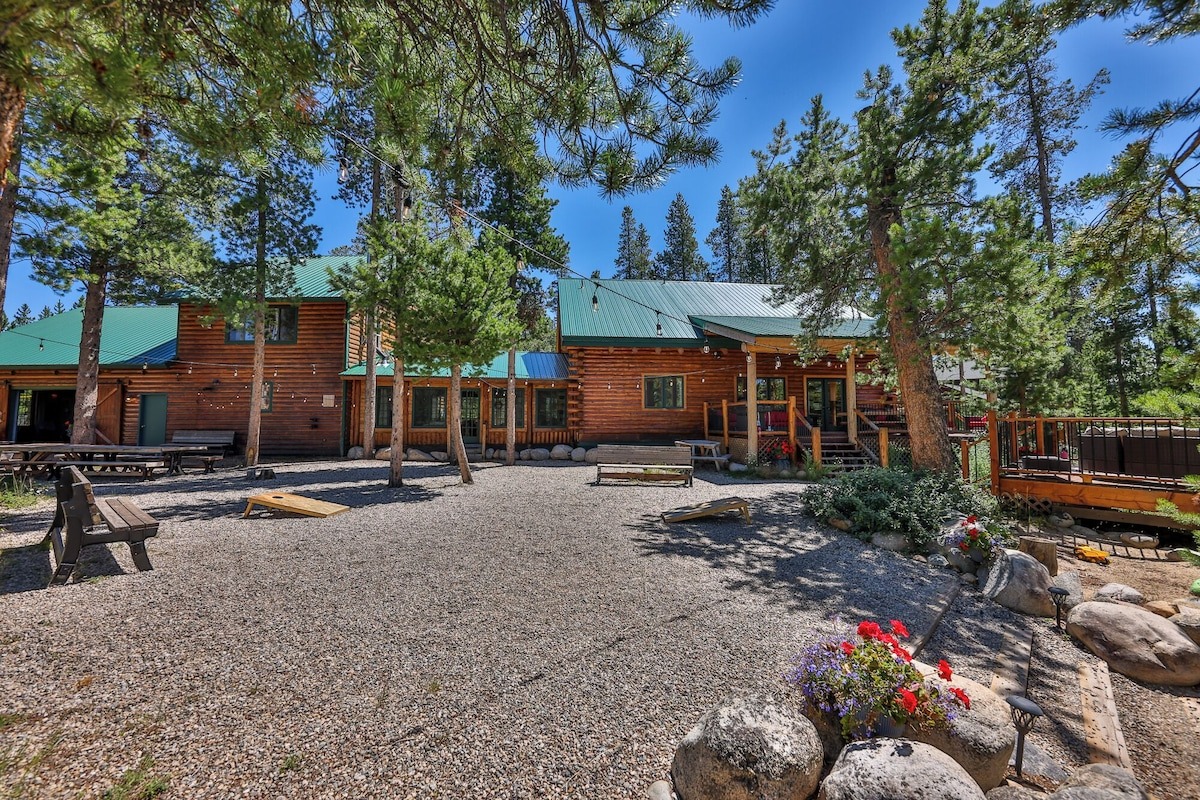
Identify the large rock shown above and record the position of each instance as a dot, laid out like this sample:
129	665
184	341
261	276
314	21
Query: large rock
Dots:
592	456
525	454
579	454
1136	642
561	452
1188	621
418	455
748	748
890	541
1036	764
383	454
1103	778
1164	608
896	769
980	739
1074	586
539	454
1120	592
355	452
439	455
1013	793
1181	554
1018	581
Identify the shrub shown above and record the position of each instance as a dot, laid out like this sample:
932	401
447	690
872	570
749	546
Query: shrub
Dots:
893	500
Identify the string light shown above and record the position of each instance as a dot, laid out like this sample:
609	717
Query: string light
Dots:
706	349
778	362
189	369
658	324
314	369
41	345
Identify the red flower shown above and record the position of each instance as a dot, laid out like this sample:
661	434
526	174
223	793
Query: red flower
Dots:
899	629
973	534
961	695
901	653
963	545
847	648
908	700
869	630
971	519
944	671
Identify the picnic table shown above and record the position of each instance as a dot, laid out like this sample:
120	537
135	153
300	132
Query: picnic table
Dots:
46	459
705	450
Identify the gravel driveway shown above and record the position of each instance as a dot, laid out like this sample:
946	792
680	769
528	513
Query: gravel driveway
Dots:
528	636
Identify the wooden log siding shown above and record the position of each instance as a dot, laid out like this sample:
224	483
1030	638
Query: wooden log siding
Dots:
211	397
528	435
607	405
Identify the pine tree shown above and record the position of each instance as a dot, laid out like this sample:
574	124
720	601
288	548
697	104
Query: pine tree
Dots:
725	240
45	312
634	260
680	258
59	307
23	315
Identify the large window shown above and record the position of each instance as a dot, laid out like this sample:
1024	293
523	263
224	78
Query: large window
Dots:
428	407
500	408
768	388
383	406
280	324
664	391
550	406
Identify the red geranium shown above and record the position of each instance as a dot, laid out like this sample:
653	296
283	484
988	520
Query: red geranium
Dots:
900	629
962	697
847	648
908	700
944	671
964	545
869	630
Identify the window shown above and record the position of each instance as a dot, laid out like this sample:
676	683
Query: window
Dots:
550	408
428	407
383	406
768	388
664	391
24	408
500	408
280	324
268	396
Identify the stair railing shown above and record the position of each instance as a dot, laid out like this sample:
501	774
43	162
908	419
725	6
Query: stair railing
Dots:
871	439
814	450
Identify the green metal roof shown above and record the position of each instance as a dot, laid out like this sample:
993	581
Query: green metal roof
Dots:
130	335
312	277
625	312
530	366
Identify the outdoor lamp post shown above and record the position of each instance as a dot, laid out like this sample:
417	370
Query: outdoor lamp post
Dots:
1025	712
1059	596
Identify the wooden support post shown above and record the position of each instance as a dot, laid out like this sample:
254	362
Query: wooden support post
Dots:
1040	436
791	412
851	397
993	424
816	447
751	405
883	447
706	436
725	422
965	448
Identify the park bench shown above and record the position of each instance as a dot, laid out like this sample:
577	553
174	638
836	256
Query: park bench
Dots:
144	466
80	520
219	442
644	463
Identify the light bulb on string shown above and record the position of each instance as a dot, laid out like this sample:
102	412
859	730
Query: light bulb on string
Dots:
749	358
314	369
276	373
189	369
41	344
778	362
658	323
706	349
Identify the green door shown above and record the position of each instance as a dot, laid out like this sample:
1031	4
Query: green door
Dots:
152	419
826	401
470	416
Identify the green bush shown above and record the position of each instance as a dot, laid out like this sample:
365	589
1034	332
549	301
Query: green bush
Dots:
893	500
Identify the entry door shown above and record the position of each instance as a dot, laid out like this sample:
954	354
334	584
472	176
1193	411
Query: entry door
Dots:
470	416
826	401
152	419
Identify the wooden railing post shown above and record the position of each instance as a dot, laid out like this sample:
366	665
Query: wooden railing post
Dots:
725	422
816	445
1040	436
883	447
965	447
706	420
791	412
993	424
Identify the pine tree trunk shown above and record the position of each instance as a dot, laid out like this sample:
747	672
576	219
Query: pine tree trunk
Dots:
396	462
12	112
87	381
457	447
510	415
929	437
369	384
1038	125
254	427
8	212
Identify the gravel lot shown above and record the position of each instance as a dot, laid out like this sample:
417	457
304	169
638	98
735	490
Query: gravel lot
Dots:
528	636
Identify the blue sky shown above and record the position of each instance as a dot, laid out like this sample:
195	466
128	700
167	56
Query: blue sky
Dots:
804	47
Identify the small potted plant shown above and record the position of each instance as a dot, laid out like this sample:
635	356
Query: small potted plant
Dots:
777	451
971	543
863	686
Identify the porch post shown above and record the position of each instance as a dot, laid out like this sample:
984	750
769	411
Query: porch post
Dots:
993	426
791	412
725	422
751	405
706	420
851	397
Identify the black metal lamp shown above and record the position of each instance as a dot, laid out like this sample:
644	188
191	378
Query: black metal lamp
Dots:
1025	712
1059	595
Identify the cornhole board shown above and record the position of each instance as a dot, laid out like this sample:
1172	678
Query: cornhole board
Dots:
709	509
297	504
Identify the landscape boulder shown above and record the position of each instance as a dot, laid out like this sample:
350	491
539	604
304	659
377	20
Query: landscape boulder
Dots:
890	541
980	739
416	455
1018	581
438	455
1074	586
1013	793
1120	592
1136	642
749	748
578	454
1063	520
895	769
355	452
1188	621
539	454
592	456
1103	778
1181	554
525	454
383	454
1164	608
561	452
736	467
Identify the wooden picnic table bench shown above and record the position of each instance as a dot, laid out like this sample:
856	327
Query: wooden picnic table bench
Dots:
80	520
644	463
146	467
218	443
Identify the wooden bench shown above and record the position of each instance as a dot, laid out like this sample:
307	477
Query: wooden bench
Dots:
219	441
78	521
145	467
644	463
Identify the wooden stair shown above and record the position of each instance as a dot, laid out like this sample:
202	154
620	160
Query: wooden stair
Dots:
838	454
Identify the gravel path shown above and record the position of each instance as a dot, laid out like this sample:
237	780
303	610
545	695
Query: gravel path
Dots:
529	636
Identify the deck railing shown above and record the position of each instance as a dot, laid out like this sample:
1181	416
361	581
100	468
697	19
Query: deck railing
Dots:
871	439
1139	448
776	418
